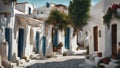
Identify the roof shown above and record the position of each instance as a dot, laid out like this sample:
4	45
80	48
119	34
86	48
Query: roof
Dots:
22	3
18	12
61	5
24	19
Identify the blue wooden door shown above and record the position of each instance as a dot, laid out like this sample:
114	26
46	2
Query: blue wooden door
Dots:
44	46
37	42
55	38
20	43
8	38
67	38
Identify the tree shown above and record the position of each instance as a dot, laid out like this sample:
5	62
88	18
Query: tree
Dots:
79	13
57	19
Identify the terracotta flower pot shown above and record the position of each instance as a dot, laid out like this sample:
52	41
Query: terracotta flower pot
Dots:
60	45
101	66
114	57
99	54
106	60
54	49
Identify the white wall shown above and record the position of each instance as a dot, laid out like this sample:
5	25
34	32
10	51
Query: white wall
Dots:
28	46
104	42
45	12
96	19
108	48
73	40
24	7
49	46
114	21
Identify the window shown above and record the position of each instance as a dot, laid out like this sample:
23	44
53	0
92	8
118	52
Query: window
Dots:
41	12
29	10
47	5
99	33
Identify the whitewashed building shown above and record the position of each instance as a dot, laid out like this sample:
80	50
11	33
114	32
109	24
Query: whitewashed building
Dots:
7	17
28	31
20	34
42	13
25	7
102	38
112	32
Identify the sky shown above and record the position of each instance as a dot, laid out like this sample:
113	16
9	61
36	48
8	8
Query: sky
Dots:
40	3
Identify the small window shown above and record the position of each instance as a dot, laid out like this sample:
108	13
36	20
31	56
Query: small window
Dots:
47	5
29	10
99	33
37	12
41	12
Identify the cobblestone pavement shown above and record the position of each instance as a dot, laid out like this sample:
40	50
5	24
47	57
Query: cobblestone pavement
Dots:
61	62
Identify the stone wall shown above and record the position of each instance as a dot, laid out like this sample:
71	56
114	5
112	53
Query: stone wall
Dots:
4	50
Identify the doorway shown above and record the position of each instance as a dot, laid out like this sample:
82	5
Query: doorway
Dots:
67	38
37	42
114	39
44	45
55	38
95	34
8	38
20	43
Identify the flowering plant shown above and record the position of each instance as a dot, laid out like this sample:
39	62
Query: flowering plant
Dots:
112	10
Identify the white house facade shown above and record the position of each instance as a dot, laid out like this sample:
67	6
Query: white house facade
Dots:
103	39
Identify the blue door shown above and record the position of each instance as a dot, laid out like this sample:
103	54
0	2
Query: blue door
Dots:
55	38
8	38
44	46
37	42
20	43
67	38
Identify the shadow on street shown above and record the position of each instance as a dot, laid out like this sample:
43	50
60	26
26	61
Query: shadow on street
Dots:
72	63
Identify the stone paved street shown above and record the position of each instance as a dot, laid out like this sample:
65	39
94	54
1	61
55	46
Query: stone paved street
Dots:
61	62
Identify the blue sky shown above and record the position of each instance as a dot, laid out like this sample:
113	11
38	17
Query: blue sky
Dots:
39	3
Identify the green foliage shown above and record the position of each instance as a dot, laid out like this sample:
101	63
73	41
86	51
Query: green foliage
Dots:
57	19
107	17
109	14
79	13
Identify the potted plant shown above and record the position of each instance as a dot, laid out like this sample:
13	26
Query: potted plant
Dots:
114	56
106	60
60	45
99	54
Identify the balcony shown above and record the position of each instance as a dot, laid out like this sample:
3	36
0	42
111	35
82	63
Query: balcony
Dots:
5	8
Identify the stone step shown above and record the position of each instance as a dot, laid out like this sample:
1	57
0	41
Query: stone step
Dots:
110	65
1	67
